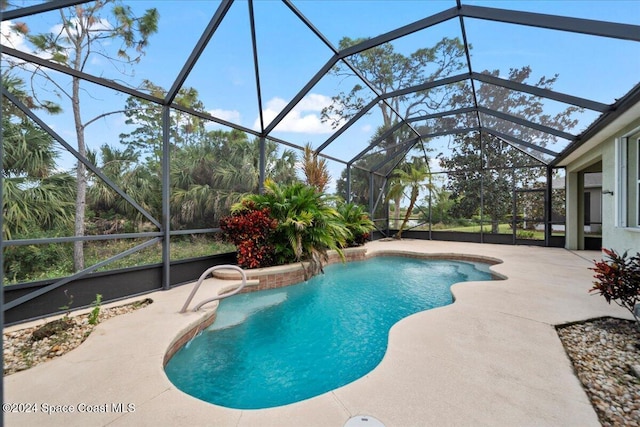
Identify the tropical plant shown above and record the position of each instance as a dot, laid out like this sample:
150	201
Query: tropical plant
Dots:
415	179
250	229
314	169
210	169
207	178
35	194
308	226
357	221
618	280
37	199
441	205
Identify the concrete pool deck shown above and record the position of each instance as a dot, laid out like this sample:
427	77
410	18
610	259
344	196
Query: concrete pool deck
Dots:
492	358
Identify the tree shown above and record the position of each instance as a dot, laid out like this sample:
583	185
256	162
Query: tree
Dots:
387	71
124	169
484	168
202	189
468	178
414	178
86	31
147	137
210	169
207	178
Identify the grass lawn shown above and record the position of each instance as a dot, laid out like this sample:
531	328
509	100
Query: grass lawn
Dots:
502	229
182	247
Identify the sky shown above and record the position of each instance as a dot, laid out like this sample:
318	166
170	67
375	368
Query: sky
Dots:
289	54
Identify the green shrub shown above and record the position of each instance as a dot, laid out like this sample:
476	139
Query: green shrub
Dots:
35	262
525	234
357	221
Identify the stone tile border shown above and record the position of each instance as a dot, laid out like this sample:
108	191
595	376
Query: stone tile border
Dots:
285	275
188	335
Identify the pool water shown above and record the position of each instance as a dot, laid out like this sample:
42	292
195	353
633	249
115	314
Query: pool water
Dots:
281	346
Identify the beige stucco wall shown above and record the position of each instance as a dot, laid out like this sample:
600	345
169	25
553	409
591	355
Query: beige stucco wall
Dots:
621	239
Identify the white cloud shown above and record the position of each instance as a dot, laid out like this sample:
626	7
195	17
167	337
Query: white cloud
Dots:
16	40
100	25
304	118
232	116
11	38
366	128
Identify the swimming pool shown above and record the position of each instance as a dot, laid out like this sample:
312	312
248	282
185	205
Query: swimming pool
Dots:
284	345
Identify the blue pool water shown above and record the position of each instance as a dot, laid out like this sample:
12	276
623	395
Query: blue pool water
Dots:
284	345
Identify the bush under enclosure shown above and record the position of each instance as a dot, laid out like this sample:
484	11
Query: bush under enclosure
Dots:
293	223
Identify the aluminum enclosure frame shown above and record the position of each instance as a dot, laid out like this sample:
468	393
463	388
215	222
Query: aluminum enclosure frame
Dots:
460	12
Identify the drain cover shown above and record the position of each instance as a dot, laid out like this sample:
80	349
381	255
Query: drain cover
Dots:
363	421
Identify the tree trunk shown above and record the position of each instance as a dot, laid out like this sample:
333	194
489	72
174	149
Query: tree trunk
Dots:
412	203
81	180
396	211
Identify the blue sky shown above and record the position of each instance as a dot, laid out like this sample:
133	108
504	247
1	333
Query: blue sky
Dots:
289	55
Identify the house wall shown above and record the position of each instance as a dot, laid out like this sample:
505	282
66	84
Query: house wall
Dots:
618	238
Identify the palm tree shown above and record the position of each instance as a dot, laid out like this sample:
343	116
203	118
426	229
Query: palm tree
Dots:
414	178
124	169
36	197
37	200
209	177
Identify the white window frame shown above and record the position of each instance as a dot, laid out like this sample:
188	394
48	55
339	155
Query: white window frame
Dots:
621	195
637	180
621	182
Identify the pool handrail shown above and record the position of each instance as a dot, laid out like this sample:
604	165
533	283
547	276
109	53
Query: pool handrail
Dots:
218	297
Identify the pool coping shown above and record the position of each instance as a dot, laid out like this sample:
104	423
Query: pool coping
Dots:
499	362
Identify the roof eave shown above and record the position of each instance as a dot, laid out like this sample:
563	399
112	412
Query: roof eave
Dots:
622	112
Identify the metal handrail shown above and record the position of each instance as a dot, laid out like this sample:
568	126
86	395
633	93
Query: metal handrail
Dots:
221	296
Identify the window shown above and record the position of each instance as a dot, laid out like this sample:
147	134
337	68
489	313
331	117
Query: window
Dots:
637	177
628	179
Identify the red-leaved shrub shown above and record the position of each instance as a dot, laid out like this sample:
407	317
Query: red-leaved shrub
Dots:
250	229
618	279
